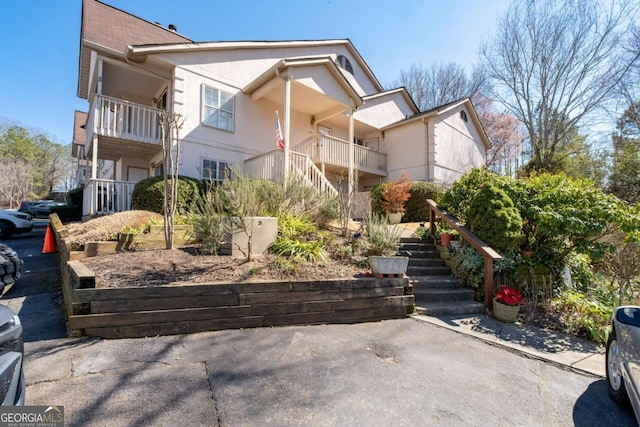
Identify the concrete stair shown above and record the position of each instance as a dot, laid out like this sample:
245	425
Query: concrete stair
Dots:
436	291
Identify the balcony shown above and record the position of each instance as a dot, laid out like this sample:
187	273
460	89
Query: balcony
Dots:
333	153
123	120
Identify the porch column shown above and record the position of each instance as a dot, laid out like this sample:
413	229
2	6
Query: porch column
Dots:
94	157
351	161
287	126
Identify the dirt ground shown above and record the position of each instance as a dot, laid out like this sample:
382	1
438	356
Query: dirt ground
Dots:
185	265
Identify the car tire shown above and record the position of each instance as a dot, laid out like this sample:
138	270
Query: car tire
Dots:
5	230
615	381
10	266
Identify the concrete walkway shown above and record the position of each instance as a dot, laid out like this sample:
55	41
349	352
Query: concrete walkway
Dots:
553	347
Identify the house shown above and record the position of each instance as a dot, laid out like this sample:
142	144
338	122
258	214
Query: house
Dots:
338	123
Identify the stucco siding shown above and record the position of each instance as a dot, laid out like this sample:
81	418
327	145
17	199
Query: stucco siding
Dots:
406	151
240	67
383	110
457	146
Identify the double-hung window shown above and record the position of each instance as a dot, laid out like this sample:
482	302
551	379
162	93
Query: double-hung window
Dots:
215	170
217	108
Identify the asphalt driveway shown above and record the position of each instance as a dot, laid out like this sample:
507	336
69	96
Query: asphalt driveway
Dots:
397	372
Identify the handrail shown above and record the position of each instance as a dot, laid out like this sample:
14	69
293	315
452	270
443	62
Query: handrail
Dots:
485	250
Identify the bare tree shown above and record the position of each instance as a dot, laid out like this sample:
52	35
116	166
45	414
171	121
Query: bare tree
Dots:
170	132
554	63
438	84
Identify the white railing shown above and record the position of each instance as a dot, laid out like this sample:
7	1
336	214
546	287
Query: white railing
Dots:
271	166
104	196
121	119
305	169
335	152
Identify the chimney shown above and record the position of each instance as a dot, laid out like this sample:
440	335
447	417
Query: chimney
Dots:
173	28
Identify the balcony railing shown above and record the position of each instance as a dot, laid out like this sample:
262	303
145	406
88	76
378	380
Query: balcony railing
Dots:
335	152
121	119
104	196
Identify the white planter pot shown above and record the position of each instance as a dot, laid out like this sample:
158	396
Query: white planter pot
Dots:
395	218
388	265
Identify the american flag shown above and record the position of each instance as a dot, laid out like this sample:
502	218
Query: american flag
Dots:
279	139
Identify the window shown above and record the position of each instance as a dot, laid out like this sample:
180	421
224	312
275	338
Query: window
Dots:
463	115
215	170
344	63
217	108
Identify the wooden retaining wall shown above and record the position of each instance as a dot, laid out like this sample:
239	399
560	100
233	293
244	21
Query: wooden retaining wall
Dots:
178	309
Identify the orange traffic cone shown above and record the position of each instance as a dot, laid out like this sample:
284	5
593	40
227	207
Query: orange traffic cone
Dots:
49	246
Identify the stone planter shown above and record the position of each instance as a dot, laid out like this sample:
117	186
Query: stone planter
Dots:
395	217
388	265
505	313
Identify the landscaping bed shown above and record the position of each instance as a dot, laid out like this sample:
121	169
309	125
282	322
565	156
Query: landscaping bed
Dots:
159	292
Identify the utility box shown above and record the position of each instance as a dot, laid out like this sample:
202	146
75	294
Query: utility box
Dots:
261	230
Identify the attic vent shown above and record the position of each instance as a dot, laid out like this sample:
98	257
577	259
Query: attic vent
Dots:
173	28
463	115
344	63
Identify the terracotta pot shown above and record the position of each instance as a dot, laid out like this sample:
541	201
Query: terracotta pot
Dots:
527	254
505	313
445	239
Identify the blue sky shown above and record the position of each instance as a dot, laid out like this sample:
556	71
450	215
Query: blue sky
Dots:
39	71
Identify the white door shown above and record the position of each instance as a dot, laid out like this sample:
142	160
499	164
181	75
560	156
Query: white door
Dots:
136	174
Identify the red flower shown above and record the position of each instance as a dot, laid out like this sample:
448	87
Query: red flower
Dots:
509	296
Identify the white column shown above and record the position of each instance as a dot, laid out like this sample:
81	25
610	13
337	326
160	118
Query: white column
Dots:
287	126
351	160
94	157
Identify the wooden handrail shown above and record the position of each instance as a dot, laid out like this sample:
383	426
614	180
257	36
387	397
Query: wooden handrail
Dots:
485	250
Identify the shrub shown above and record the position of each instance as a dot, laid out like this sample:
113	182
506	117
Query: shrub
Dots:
382	240
396	194
457	199
377	203
298	238
68	213
416	208
148	194
494	219
74	197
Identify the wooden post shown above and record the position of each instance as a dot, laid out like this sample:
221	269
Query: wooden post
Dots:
488	282
432	222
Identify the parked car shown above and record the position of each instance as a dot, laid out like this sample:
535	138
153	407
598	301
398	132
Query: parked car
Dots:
12	390
38	208
623	357
10	266
14	222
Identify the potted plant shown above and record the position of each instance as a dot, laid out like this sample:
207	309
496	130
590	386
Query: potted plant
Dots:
446	234
506	304
383	242
394	197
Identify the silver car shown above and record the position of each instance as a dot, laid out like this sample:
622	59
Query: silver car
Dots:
12	385
623	357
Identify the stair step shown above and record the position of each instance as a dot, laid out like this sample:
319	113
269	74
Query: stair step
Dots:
428	295
411	240
425	262
442	282
428	271
419	253
417	247
447	308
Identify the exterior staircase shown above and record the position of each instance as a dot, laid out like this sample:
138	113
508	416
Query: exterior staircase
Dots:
436	291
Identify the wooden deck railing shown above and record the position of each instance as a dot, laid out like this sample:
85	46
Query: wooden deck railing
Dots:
487	253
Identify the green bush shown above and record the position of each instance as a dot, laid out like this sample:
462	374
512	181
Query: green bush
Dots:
299	238
148	194
75	197
416	208
494	219
377	202
68	213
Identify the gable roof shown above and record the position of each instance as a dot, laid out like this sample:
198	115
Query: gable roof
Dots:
443	109
401	90
139	52
109	30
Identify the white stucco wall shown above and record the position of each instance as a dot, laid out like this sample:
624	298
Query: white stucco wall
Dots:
384	110
406	151
457	146
239	67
